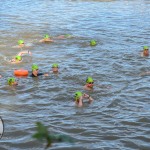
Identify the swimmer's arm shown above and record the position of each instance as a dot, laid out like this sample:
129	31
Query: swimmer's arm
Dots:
59	37
62	37
13	61
145	73
51	40
90	99
41	41
16	46
80	104
142	55
24	52
34	73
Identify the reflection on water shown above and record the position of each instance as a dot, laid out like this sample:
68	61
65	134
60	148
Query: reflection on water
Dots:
119	116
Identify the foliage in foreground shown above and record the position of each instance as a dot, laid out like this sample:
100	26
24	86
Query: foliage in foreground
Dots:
43	134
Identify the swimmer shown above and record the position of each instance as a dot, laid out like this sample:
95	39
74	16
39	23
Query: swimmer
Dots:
0	76
21	44
145	73
145	51
65	36
47	38
89	84
93	43
35	71
55	68
12	81
18	57
79	98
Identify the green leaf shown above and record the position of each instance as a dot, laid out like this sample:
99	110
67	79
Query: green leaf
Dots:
41	128
43	134
38	136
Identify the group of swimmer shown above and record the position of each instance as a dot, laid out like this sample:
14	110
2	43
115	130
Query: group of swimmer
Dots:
46	39
35	73
78	96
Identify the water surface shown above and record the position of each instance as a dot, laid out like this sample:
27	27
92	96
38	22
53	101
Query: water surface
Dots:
119	118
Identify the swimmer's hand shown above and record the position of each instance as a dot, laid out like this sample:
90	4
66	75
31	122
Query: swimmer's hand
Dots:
142	55
41	41
46	75
86	95
29	53
0	76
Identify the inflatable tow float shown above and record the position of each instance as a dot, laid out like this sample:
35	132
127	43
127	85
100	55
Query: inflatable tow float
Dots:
21	72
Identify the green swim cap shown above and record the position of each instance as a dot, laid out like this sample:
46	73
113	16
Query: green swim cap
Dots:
20	42
93	43
77	95
89	79
145	47
34	67
55	66
11	80
46	36
18	57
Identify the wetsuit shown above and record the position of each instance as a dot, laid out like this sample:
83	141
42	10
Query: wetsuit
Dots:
39	74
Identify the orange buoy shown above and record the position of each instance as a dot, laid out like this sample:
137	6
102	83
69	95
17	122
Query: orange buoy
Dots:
21	72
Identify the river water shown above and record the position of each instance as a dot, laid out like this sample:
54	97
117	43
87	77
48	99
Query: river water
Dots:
119	117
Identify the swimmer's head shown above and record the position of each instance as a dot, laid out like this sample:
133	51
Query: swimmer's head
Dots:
46	36
20	42
35	67
89	80
77	95
145	48
55	66
18	58
11	81
93	43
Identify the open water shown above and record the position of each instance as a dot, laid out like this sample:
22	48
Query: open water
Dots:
119	117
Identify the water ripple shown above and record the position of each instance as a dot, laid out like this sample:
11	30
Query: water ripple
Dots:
119	116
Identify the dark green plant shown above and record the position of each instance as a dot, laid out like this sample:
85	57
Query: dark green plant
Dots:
43	134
